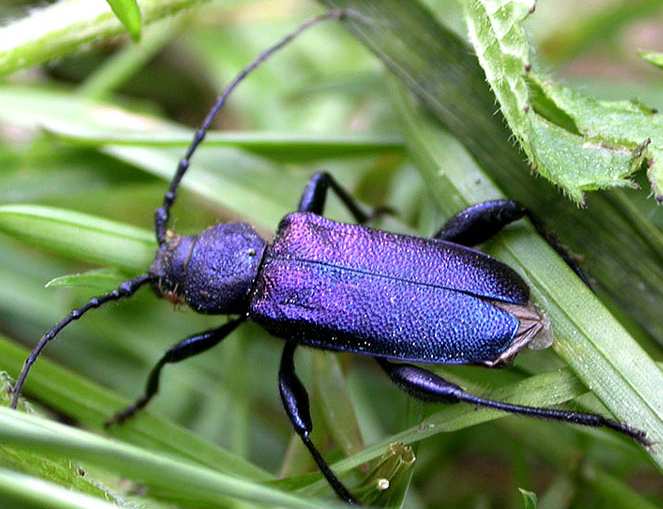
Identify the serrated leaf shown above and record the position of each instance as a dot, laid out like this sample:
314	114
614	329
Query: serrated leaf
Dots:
128	12
626	124
576	163
587	337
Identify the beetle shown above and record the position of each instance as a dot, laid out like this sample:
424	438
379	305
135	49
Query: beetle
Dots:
319	283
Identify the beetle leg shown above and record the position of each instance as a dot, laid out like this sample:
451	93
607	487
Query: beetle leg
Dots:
478	223
296	404
315	194
423	384
188	347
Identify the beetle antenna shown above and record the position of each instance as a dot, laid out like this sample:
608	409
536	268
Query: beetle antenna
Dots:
162	214
126	289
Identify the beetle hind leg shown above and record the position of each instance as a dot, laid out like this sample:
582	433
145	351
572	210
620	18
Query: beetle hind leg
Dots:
479	223
425	385
296	404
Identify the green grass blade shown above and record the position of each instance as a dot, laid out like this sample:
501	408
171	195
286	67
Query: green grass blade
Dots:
66	26
119	68
25	492
529	499
128	12
79	236
102	280
653	57
167	478
96	123
90	405
614	491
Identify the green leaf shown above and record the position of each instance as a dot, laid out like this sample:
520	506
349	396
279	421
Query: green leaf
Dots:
128	61
80	236
336	404
91	405
621	248
388	479
574	163
529	499
128	12
544	390
66	26
167	478
101	280
25	492
653	57
614	491
61	471
96	123
614	123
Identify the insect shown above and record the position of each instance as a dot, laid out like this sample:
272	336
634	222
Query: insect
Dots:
345	287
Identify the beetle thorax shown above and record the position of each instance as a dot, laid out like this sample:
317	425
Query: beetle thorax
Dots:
212	272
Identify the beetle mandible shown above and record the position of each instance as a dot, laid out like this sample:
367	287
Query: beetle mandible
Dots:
348	288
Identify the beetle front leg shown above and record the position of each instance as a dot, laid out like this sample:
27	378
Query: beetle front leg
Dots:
296	404
315	195
479	223
427	386
188	347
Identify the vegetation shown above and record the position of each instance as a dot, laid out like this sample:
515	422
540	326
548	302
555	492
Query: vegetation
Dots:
98	104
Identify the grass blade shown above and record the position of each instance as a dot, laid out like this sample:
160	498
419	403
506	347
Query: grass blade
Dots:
66	26
167	478
90	405
128	12
80	236
97	123
18	490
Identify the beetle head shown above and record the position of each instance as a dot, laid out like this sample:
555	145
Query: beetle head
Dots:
211	272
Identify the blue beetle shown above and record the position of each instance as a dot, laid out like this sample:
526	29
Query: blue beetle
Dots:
348	288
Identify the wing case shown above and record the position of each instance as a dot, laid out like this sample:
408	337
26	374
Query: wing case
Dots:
351	288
